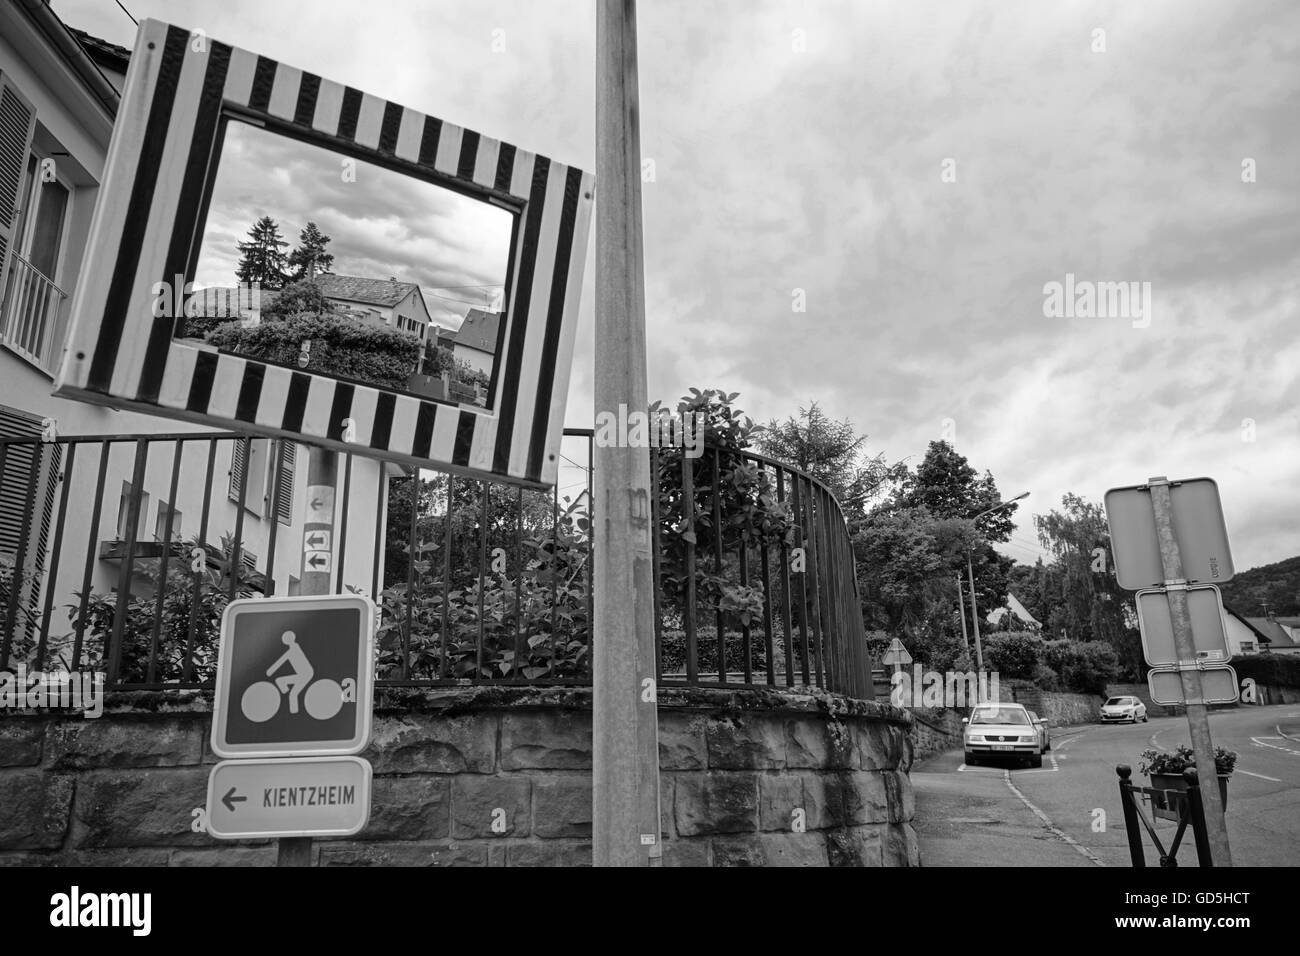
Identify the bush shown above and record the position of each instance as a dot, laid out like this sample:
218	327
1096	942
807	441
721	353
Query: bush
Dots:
340	346
1045	678
1013	653
1275	669
296	299
1085	667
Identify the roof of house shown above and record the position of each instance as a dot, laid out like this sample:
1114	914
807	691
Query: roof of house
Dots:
1246	621
1288	621
105	54
75	51
479	331
1014	607
1276	634
384	292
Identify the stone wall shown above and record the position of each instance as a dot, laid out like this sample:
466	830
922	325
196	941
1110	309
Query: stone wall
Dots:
1057	708
740	772
935	730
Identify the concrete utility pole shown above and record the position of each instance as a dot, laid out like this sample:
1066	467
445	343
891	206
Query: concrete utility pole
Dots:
625	740
317	575
961	606
1198	723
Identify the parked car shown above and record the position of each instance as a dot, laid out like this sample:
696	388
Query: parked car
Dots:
1043	733
1118	709
1002	730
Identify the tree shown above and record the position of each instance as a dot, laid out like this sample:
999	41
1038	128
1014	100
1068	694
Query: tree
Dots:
830	451
310	259
262	258
948	487
298	299
1087	604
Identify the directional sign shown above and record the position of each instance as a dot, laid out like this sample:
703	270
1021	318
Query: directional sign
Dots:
320	504
1209	626
1218	685
897	654
295	797
294	676
1198	526
316	541
316	560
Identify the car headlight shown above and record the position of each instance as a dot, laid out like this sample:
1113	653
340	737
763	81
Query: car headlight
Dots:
1028	740
976	738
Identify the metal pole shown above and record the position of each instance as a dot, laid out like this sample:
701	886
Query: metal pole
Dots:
317	564
625	747
961	606
975	619
1197	716
1126	801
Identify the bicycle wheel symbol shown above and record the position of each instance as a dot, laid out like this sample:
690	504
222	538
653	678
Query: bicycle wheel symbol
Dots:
261	701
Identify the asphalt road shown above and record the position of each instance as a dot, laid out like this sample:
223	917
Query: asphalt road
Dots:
1068	813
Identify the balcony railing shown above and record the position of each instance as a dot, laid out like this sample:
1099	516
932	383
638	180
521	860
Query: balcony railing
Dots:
29	313
476	582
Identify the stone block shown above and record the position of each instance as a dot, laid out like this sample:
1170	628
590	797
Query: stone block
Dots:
540	740
793	849
476	800
855	846
823	796
881	746
225	856
686	853
20	741
118	808
112	744
575	854
715	803
900	846
738	851
34	809
424	744
745	743
562	806
409	808
681	742
901	797
779	795
867	797
814	743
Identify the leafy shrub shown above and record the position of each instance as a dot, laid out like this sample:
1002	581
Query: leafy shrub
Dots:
340	346
296	299
1085	667
1278	670
1013	653
1045	678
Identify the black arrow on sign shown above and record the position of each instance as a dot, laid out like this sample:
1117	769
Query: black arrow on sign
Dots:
317	504
230	799
315	540
316	561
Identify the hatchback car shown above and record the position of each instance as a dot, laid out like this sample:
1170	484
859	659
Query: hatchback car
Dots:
1002	730
1119	709
1043	733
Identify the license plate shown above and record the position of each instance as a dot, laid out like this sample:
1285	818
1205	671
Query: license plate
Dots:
1003	747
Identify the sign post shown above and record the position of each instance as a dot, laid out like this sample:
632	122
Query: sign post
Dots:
1170	544
1197	716
626	826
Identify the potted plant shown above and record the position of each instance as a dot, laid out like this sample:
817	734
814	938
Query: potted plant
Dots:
1165	768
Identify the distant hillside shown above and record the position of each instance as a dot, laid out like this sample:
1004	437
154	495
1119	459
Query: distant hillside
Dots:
1277	585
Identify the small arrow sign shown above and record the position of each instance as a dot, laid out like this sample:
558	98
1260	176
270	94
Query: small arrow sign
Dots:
230	799
317	561
316	541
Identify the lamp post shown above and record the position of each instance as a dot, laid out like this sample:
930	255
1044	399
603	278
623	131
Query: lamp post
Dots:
970	574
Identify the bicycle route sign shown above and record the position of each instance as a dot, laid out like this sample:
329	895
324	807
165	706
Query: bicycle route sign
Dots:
299	796
295	677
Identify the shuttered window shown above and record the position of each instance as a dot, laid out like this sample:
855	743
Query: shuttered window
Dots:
29	486
264	452
17	123
288	459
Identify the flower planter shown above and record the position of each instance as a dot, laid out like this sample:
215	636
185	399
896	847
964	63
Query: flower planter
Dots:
1167	807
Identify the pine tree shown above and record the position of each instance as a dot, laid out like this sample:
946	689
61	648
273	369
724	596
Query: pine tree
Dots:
262	259
310	258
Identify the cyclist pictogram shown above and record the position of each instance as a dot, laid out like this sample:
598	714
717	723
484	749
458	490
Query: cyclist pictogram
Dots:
322	700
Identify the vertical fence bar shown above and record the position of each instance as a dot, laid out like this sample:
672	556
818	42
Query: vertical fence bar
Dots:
832	624
446	580
591	551
380	527
96	511
746	642
516	666
128	560
768	646
717	563
485	491
155	635
413	535
656	547
555	567
786	620
806	650
688	613
55	551
344	513
16	583
237	545
813	573
1126	801
187	668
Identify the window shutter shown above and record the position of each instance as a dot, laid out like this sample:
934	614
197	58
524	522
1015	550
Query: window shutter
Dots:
17	123
236	468
25	524
287	459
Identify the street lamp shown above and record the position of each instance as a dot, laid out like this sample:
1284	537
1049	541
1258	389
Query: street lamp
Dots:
970	575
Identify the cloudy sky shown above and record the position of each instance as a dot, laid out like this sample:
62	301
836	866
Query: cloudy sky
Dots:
916	173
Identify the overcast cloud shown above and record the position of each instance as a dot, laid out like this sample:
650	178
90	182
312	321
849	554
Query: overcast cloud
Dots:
814	161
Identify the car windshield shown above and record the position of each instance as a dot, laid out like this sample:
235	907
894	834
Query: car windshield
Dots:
999	715
1117	702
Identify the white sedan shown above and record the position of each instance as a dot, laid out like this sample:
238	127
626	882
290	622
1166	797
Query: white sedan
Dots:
1002	730
1118	709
